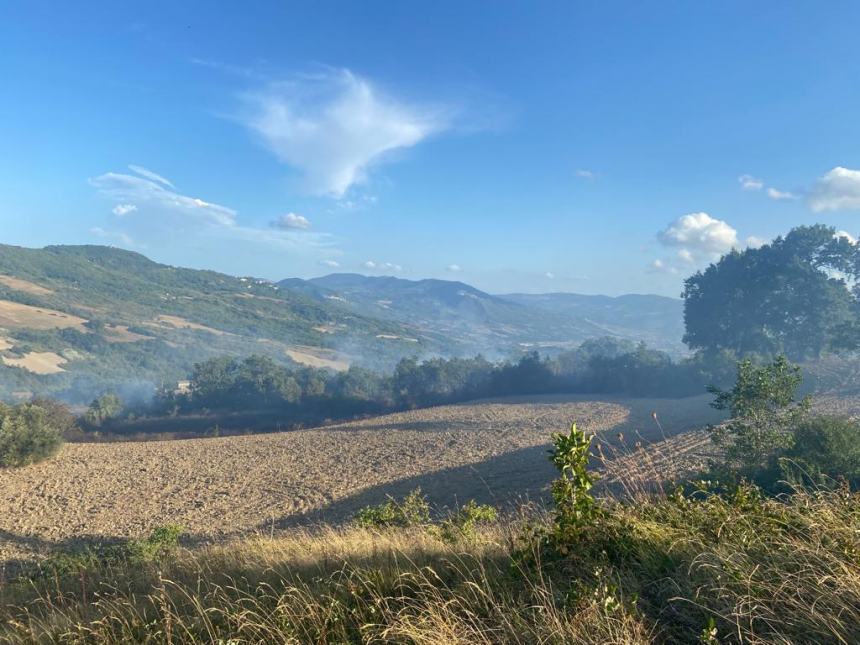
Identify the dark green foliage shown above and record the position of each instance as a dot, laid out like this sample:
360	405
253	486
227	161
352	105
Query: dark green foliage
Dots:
825	448
412	510
788	297
764	413
26	435
103	408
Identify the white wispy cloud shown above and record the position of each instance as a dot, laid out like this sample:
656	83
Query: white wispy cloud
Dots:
148	174
335	125
748	182
123	209
332	264
836	190
153	199
780	195
149	192
292	221
549	274
586	174
454	268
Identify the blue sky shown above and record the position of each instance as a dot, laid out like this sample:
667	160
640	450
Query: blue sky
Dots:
607	147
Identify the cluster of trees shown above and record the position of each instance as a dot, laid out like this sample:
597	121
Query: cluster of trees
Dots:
798	296
305	394
31	432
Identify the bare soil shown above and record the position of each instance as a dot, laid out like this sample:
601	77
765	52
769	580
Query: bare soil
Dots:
492	450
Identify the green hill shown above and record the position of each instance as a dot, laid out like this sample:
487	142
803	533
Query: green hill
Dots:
78	320
98	316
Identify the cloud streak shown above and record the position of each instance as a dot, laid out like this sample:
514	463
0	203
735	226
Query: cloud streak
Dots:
152	198
149	192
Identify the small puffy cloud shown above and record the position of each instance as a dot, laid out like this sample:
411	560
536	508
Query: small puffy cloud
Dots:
332	264
699	237
149	192
335	125
392	267
292	221
748	182
123	209
585	174
148	174
370	264
549	275
454	268
780	195
847	236
837	190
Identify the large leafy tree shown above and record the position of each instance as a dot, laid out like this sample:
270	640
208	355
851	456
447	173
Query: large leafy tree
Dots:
796	295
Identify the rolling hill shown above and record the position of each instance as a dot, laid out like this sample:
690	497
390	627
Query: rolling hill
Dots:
76	320
475	321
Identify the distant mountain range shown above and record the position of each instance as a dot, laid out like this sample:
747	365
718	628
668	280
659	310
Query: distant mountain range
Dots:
473	320
78	319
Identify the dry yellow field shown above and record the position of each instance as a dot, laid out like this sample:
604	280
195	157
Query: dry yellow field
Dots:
15	315
23	285
317	357
38	362
494	451
182	323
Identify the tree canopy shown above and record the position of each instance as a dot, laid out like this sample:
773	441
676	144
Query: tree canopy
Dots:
797	295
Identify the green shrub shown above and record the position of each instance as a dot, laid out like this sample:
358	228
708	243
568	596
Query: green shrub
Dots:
763	412
826	448
26	436
575	506
462	522
412	510
161	543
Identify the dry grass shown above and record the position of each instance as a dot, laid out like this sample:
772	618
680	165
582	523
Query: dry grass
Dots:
14	315
38	362
665	571
181	323
121	334
316	357
24	285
